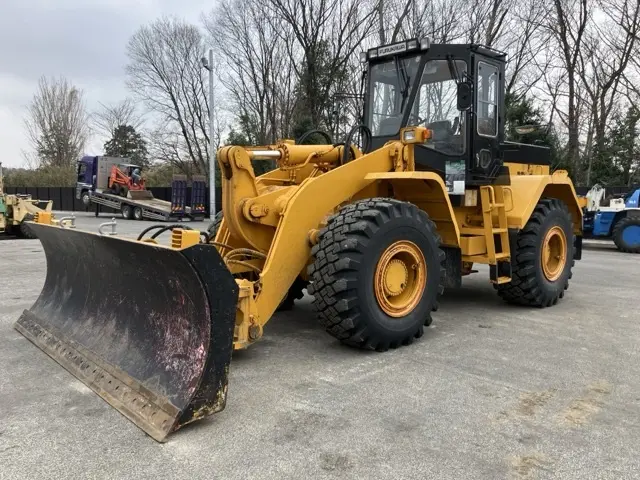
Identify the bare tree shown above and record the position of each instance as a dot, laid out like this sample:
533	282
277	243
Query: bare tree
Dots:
57	123
439	20
486	20
609	47
253	50
109	117
392	17
327	34
566	22
523	40
165	72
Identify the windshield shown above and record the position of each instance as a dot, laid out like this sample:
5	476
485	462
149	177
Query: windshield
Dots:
389	88
435	106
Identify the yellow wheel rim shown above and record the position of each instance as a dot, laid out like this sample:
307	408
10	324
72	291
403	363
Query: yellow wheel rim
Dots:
400	278
554	253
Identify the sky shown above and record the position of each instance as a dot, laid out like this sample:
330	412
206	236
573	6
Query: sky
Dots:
82	40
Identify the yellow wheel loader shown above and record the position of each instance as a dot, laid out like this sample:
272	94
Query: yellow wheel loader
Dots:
373	233
16	210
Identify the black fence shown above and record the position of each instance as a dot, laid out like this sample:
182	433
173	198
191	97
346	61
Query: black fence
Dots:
64	198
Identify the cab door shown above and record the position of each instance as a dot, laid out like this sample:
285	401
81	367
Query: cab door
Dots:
488	99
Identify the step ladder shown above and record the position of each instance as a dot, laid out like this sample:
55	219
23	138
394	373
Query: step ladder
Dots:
498	254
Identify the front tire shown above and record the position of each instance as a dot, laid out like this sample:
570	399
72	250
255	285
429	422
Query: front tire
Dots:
626	234
542	258
377	273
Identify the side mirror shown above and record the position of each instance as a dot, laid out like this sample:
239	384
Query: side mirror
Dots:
464	96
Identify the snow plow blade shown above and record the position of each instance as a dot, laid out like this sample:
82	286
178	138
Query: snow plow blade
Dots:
146	327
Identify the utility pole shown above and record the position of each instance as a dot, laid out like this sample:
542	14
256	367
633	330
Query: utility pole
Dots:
208	64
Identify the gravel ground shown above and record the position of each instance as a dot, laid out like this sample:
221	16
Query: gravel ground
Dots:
491	391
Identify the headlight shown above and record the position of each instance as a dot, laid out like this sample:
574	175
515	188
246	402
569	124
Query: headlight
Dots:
415	135
409	136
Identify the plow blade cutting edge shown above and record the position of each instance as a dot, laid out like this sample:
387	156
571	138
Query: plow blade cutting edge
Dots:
146	327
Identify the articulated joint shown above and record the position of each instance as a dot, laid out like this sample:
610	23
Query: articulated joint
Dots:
252	209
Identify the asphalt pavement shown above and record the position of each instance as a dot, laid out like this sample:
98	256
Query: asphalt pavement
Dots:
491	391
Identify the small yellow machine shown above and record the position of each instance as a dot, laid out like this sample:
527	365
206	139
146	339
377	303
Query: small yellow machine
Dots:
18	209
374	234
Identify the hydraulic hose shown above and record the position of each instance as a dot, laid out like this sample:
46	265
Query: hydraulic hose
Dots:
308	133
162	229
366	146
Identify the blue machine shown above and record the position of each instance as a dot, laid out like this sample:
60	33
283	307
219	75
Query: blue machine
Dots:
620	220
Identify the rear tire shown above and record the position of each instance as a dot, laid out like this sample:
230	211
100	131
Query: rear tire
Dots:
127	211
355	302
137	213
626	234
533	284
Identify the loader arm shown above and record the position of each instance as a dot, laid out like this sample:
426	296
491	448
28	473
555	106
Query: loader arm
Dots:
302	208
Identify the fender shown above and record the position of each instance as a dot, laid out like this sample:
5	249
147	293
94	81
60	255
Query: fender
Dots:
428	191
527	190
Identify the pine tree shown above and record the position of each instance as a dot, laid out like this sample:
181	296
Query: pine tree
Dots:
520	112
128	143
618	162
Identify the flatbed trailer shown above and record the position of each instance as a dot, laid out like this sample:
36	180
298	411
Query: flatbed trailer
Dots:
92	187
151	209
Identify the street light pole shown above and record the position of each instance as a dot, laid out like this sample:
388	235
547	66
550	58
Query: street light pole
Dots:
208	64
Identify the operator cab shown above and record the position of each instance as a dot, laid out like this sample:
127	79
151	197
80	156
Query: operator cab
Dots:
457	92
128	168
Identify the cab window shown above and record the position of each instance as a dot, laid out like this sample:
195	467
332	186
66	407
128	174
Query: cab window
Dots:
435	106
390	84
487	100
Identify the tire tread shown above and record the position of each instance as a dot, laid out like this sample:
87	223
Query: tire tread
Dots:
340	250
524	288
617	234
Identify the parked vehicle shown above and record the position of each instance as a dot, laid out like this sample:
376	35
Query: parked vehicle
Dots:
614	218
16	210
111	182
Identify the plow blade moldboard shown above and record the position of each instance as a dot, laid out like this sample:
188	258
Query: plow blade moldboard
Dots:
148	328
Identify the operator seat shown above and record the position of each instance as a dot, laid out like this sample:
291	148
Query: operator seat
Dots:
441	131
389	126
